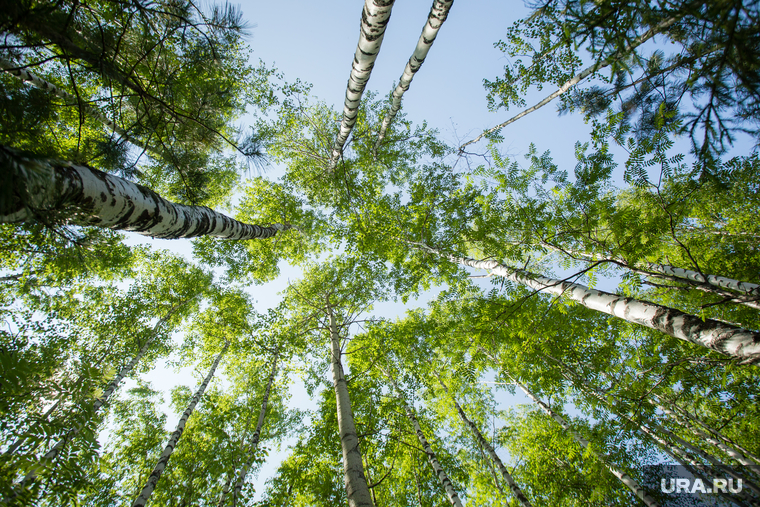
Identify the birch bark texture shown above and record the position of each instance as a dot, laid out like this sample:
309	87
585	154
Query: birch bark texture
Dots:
516	491
163	460
437	468
357	489
256	434
659	28
438	14
80	195
720	285
375	17
733	341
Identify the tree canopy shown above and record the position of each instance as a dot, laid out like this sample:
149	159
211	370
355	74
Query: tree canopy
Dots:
464	326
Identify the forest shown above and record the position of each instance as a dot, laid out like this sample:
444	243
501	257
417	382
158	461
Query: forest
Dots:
610	298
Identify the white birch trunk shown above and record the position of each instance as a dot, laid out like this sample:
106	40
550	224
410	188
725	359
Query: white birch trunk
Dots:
357	490
79	195
438	14
723	282
516	491
626	479
659	28
163	460
256	434
91	111
706	283
375	17
743	344
445	481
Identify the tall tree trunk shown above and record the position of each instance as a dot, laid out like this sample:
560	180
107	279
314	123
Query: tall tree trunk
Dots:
78	195
438	14
750	292
375	17
659	28
91	111
729	340
257	433
445	481
516	491
53	453
357	490
163	460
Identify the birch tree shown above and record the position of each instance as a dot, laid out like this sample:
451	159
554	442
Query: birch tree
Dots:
729	340
438	14
163	460
53	191
330	299
375	17
53	453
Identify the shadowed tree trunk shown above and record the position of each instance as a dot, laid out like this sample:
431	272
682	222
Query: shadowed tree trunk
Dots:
55	191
